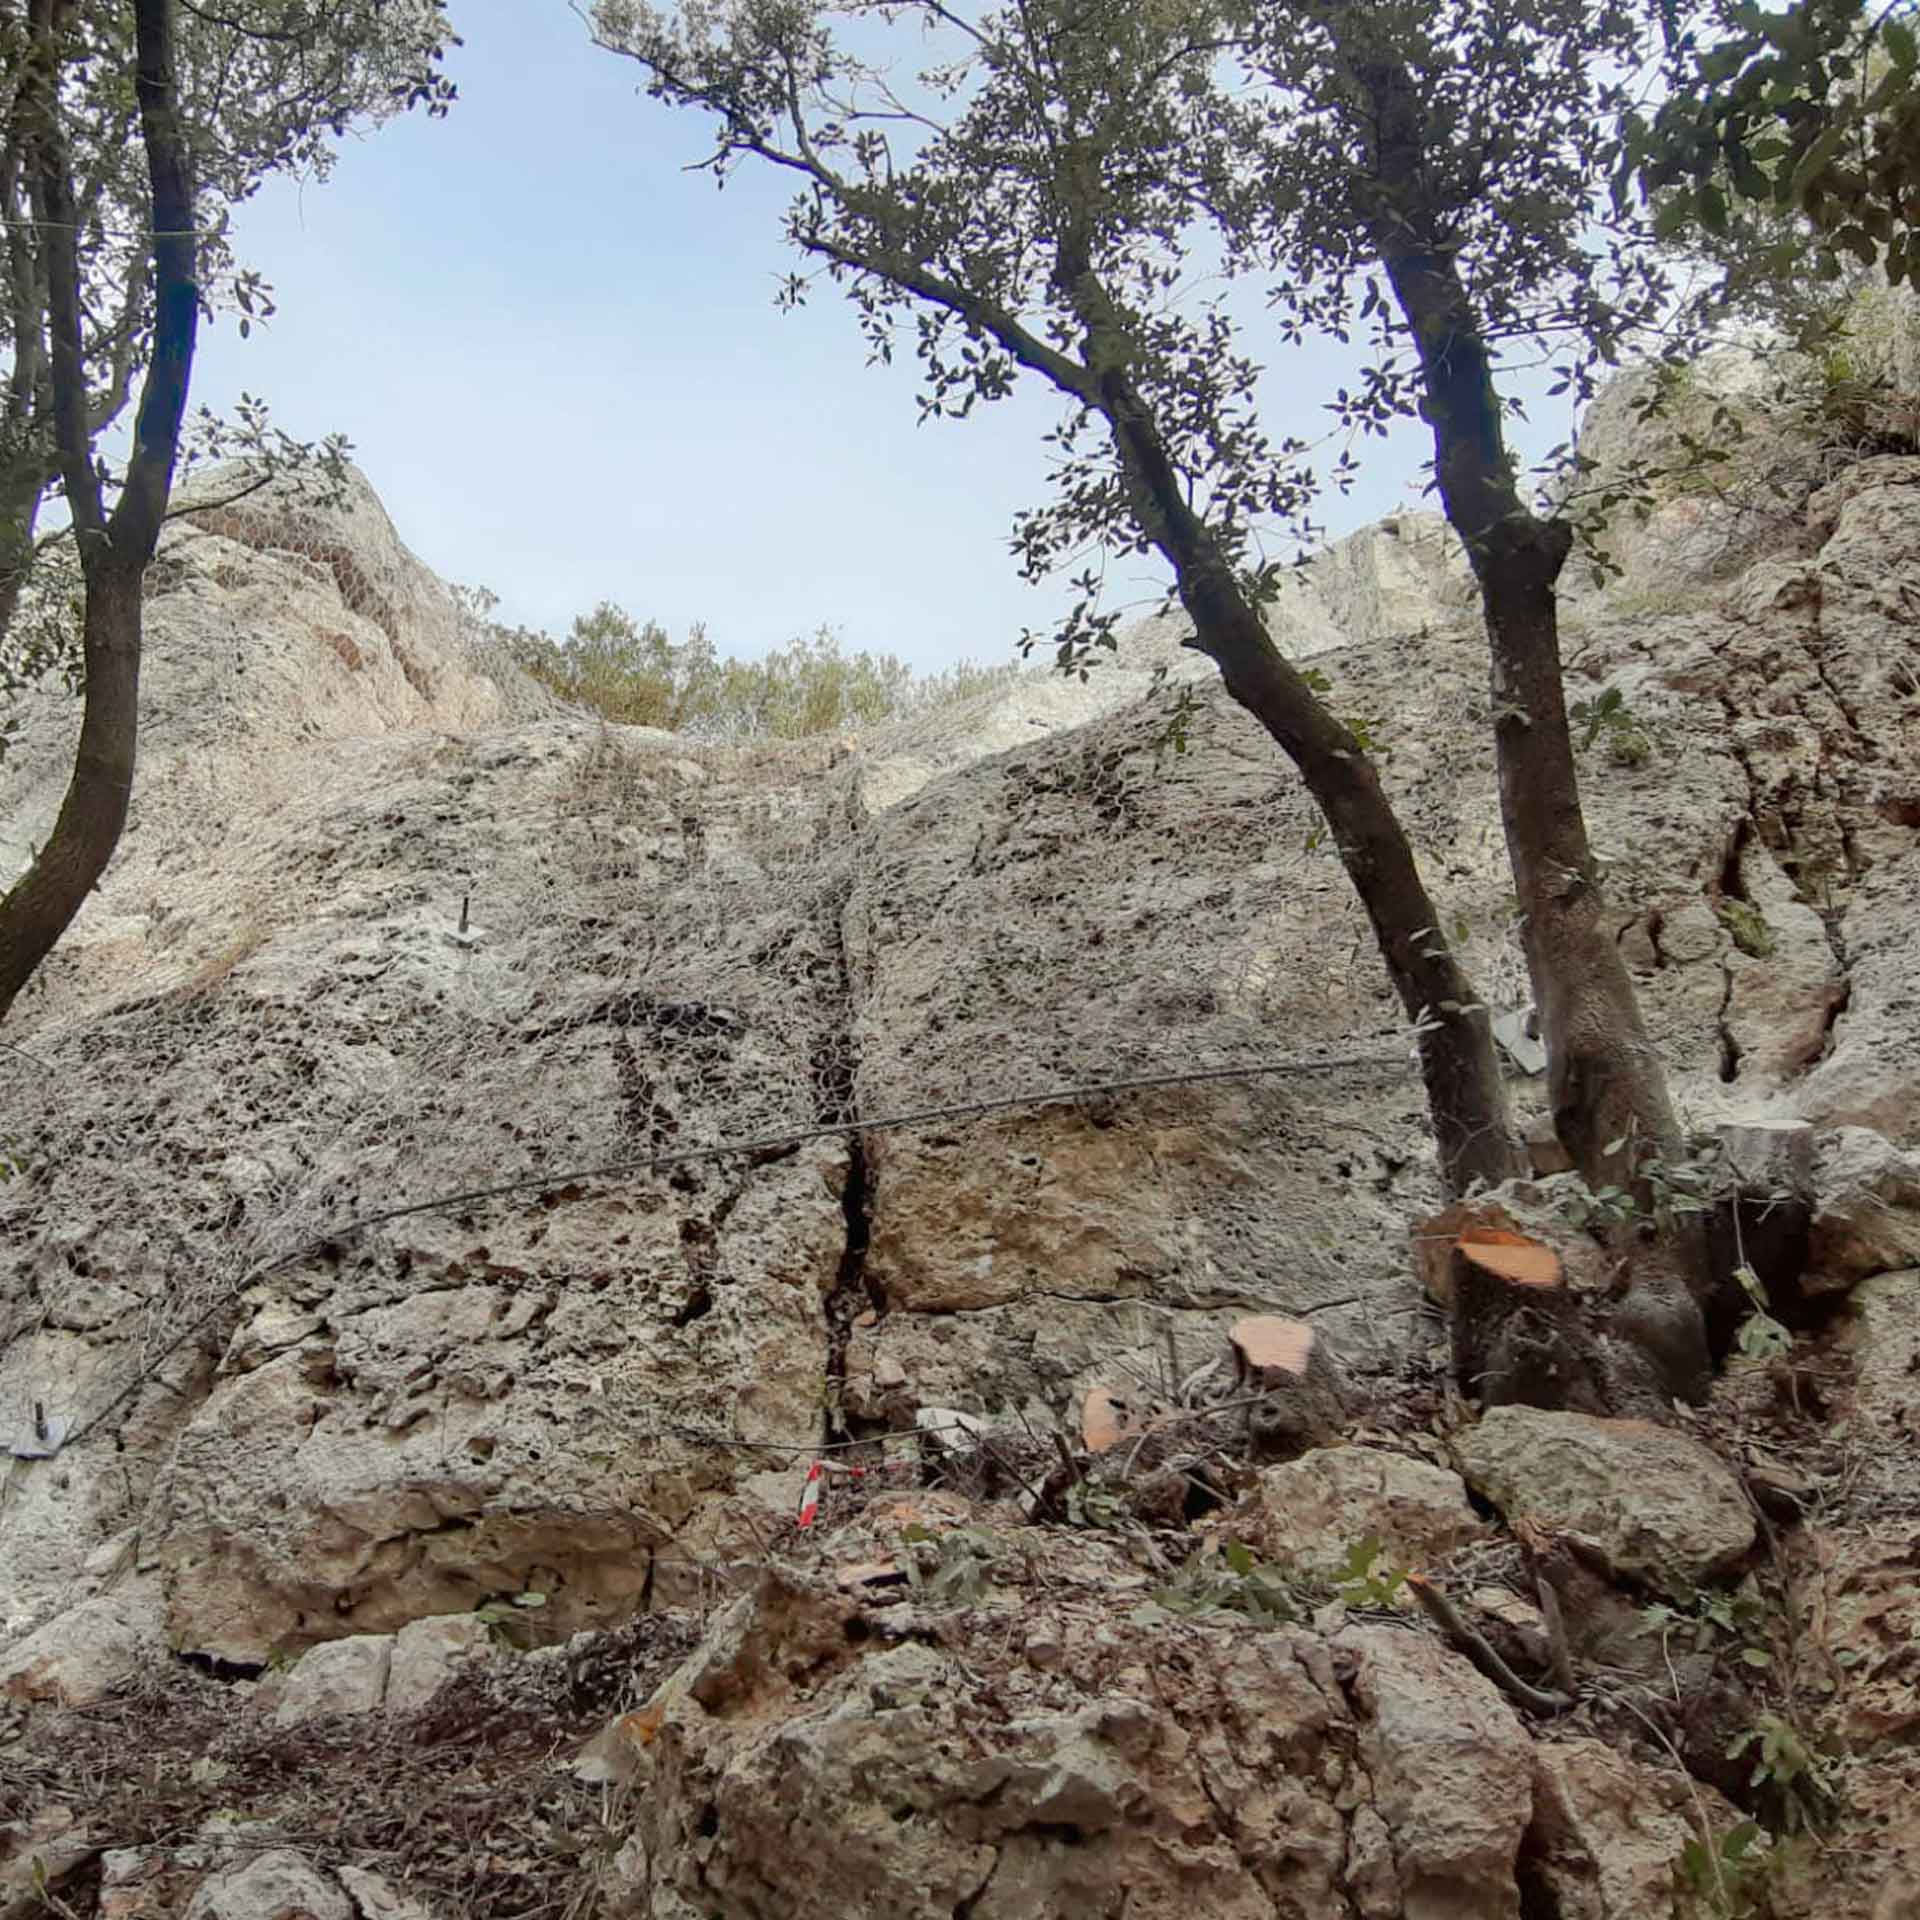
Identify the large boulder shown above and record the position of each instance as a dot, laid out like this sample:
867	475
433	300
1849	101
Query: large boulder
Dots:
1656	1505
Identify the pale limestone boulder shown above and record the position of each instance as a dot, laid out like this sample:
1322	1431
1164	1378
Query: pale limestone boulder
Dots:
1607	1832
339	1676
427	1654
276	1885
1867	1217
1658	1505
1308	1514
87	1652
1450	1769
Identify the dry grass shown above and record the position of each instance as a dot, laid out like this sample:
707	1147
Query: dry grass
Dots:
466	1803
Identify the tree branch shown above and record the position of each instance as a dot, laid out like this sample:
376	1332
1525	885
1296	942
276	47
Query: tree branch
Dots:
54	209
163	399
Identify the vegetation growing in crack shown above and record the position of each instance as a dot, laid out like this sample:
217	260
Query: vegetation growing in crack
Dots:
1607	713
1747	927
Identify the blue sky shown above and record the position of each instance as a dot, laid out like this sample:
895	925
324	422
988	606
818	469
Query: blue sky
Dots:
557	355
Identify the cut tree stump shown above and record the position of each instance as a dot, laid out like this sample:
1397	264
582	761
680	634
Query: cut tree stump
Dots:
1520	1333
1302	1393
1105	1420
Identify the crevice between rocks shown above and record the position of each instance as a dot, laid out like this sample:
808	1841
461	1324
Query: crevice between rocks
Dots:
836	1067
1723	1026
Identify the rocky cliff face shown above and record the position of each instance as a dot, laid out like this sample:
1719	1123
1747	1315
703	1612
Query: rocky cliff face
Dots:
956	1082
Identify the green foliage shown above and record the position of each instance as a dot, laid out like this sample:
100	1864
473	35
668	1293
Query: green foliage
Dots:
1599	1209
1232	1581
502	1613
637	675
1673	1191
963	1560
1711	1617
1366	1578
1759	1336
1810	114
1367	733
1724	1879
1783	1760
1089	1504
1747	926
1607	713
263	87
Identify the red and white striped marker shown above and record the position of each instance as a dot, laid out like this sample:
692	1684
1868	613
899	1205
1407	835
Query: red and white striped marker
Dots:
810	1496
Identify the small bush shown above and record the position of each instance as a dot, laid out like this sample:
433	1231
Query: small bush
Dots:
635	674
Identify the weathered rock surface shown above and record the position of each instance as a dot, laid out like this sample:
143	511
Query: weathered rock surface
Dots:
1606	1834
1241	1772
338	1676
277	1885
1308	1514
88	1651
344	1340
1659	1506
1868	1217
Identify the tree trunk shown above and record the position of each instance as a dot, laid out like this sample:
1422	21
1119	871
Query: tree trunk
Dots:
43	904
1465	1093
21	492
1611	1108
1609	1093
114	551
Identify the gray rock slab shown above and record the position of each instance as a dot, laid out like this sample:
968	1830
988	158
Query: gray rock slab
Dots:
1658	1505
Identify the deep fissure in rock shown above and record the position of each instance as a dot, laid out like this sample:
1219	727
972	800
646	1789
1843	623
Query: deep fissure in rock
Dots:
835	1071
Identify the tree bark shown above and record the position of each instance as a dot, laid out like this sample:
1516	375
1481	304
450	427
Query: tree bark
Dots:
1608	1089
1611	1107
1465	1093
114	550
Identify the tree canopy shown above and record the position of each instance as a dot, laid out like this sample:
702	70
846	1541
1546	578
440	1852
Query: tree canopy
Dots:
1810	112
264	87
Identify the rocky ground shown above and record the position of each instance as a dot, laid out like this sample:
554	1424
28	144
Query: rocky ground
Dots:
409	1525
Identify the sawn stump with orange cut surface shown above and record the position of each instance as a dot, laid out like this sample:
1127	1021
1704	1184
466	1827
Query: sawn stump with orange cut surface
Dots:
1519	1331
1301	1392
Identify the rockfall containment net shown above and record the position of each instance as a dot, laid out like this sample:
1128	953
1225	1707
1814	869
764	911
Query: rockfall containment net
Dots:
398	957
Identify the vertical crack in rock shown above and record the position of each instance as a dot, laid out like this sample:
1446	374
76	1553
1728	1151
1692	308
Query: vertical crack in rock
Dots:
1729	1046
836	1079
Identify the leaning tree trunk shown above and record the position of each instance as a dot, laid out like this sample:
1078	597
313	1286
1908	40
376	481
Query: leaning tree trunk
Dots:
114	550
1608	1088
1465	1093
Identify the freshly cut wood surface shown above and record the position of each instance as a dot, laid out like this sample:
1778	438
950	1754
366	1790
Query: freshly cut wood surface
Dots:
1513	1256
1271	1343
1104	1419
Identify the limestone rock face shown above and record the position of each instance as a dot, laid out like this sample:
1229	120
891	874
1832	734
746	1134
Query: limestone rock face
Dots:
1232	1773
475	1160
